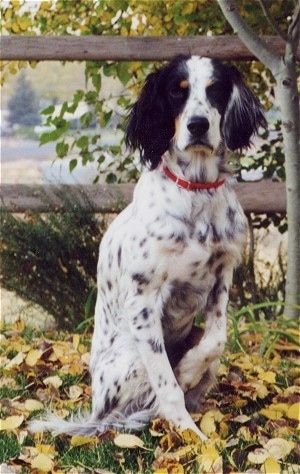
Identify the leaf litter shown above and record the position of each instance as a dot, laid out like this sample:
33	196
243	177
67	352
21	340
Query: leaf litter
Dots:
251	417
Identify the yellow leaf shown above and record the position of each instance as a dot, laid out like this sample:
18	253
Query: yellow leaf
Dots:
268	376
17	360
24	22
128	441
55	381
33	356
207	424
271	466
48	449
11	423
209	455
32	405
271	414
258	456
294	412
76	340
189	436
75	391
282	407
85	358
42	462
279	448
173	468
261	389
77	440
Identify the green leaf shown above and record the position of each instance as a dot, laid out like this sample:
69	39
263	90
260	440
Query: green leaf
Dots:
48	110
86	119
104	118
82	142
123	73
111	178
110	69
72	164
96	81
89	306
62	149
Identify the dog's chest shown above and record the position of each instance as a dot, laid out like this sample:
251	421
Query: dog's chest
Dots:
212	234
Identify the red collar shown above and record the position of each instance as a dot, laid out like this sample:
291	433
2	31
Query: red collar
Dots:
182	183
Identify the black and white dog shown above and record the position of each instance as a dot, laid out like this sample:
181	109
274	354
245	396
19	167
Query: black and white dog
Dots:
171	253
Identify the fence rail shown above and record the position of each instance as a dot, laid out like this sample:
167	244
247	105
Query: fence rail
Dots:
259	197
117	48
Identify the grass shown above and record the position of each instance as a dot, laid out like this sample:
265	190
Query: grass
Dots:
253	403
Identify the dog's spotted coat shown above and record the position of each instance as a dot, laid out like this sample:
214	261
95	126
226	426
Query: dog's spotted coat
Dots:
171	253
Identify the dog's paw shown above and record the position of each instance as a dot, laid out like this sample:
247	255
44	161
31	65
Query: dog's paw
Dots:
190	370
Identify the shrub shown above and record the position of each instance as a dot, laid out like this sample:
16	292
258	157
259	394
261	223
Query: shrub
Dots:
51	259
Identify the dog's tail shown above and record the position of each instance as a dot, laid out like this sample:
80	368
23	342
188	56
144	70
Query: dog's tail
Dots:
131	418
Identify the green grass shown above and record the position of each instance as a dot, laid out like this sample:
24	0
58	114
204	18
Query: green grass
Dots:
109	456
9	447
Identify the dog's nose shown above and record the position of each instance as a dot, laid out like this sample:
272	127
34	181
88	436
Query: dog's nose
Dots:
197	126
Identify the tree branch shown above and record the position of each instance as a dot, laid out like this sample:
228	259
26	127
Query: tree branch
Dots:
271	22
253	42
294	28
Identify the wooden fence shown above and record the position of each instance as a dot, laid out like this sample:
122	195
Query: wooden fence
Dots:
258	197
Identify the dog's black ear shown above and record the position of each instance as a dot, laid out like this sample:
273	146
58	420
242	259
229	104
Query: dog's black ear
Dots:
150	126
243	114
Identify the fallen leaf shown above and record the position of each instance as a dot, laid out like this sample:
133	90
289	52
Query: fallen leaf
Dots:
258	456
32	405
76	340
15	361
189	436
279	448
54	380
209	455
208	421
271	414
78	440
85	358
173	468
11	422
128	441
75	392
33	356
241	419
271	466
260	389
48	449
267	376
294	412
42	462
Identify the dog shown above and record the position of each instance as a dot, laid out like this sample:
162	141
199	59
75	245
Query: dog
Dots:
170	254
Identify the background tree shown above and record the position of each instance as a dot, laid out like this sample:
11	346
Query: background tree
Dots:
284	72
23	105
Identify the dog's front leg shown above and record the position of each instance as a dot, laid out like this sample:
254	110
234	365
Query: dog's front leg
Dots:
146	329
211	346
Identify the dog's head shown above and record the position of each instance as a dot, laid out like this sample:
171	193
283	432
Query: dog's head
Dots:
193	103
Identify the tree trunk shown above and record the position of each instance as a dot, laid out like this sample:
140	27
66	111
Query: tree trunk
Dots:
287	97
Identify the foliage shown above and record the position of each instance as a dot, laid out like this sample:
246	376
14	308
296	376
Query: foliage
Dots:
51	260
250	417
23	105
125	18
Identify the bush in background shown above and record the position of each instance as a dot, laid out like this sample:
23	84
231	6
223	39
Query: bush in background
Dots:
51	259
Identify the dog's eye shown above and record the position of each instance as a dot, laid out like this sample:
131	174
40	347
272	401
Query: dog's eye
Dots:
216	93
177	92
